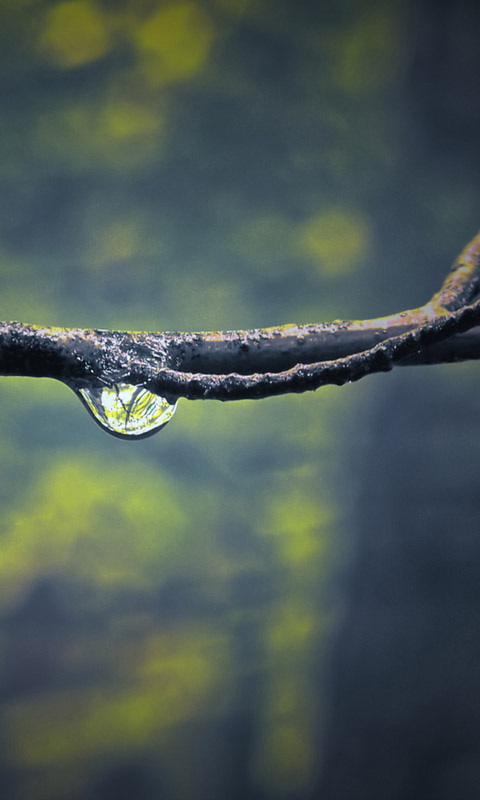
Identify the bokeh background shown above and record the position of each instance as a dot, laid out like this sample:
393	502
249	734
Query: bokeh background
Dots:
167	607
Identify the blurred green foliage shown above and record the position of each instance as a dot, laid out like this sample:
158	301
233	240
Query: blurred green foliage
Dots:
192	165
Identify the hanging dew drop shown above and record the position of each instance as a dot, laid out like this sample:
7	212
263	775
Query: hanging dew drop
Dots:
126	411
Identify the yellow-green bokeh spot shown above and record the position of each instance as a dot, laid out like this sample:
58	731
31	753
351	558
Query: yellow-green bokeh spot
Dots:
298	523
336	240
285	765
75	33
174	43
109	524
116	241
292	628
113	133
126	119
178	675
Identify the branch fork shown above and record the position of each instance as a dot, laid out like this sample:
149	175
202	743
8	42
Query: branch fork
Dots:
233	365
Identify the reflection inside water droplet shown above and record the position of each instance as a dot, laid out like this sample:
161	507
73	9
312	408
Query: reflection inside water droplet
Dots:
130	412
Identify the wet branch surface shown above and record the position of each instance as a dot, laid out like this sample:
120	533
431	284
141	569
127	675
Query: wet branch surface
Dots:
234	365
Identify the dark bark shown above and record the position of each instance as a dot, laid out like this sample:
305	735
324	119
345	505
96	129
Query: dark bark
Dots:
236	365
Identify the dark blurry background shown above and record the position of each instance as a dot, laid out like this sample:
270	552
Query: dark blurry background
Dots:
216	612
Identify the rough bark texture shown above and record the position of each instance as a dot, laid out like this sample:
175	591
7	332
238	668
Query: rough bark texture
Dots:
235	365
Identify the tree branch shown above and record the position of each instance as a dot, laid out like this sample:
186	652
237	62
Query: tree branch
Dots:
235	365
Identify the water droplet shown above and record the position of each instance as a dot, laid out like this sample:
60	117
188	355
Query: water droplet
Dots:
126	411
